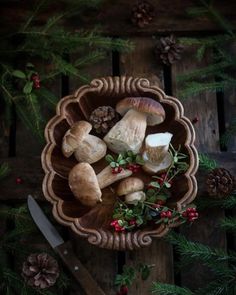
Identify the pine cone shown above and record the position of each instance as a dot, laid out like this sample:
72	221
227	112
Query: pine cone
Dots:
40	270
169	50
103	119
220	183
142	13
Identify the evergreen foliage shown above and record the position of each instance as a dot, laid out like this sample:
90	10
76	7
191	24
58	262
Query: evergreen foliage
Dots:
45	49
12	244
219	74
206	162
4	170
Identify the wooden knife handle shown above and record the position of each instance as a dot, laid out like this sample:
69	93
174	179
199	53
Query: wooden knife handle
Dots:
79	272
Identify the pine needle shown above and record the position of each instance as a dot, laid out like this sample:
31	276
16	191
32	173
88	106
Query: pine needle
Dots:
167	289
4	170
206	163
207	202
229	224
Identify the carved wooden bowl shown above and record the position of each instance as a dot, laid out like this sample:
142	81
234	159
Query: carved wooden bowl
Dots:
94	224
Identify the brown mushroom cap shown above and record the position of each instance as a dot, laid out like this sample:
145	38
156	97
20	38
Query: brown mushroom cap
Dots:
74	136
153	109
84	184
129	185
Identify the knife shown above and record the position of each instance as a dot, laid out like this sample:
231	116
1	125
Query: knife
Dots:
64	249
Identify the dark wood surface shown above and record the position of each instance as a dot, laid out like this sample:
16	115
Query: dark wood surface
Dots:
21	150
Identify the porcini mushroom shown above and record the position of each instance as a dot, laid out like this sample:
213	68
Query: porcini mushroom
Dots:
132	188
129	132
86	147
86	185
156	156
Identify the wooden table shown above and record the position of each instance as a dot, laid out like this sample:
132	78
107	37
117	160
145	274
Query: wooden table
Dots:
214	110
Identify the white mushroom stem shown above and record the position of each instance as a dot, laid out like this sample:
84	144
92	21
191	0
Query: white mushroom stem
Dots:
156	146
128	133
162	166
90	150
135	197
106	177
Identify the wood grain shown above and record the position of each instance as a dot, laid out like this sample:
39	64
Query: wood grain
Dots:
203	106
101	263
141	63
115	17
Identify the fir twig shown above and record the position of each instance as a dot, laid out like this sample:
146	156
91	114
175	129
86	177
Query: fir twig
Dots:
229	133
4	170
229	224
167	289
207	202
206	163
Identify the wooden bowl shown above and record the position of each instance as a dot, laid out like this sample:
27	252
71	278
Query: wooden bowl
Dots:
94	224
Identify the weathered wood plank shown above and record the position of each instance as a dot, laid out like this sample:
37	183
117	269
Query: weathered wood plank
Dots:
141	63
113	15
204	106
230	105
101	263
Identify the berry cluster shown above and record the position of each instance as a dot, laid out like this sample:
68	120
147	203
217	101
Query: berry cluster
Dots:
123	290
166	214
117	227
116	170
133	167
36	81
190	214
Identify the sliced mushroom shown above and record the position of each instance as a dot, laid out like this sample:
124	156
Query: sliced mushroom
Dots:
87	148
132	188
160	167
156	156
84	184
156	146
129	132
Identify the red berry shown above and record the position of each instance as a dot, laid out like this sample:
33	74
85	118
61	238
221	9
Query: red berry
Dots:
124	290
195	120
184	214
19	180
132	222
163	214
191	214
168	214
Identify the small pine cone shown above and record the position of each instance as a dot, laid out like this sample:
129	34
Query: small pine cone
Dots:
40	270
103	119
142	14
220	183
169	50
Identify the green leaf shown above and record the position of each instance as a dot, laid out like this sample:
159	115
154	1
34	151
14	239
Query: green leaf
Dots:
119	158
145	271
109	158
113	164
167	184
154	184
129	159
28	87
19	74
122	162
139	160
130	154
29	65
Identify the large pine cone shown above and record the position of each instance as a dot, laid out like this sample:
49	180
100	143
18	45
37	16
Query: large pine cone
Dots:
220	183
103	119
142	14
40	270
169	50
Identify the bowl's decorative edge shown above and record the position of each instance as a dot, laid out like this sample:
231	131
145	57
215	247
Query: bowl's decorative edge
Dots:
102	238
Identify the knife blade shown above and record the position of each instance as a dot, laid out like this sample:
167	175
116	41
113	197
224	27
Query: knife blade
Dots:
64	249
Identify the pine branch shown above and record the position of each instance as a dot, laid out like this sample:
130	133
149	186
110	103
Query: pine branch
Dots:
194	88
206	163
167	289
229	133
229	224
217	287
210	70
207	202
191	251
4	170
